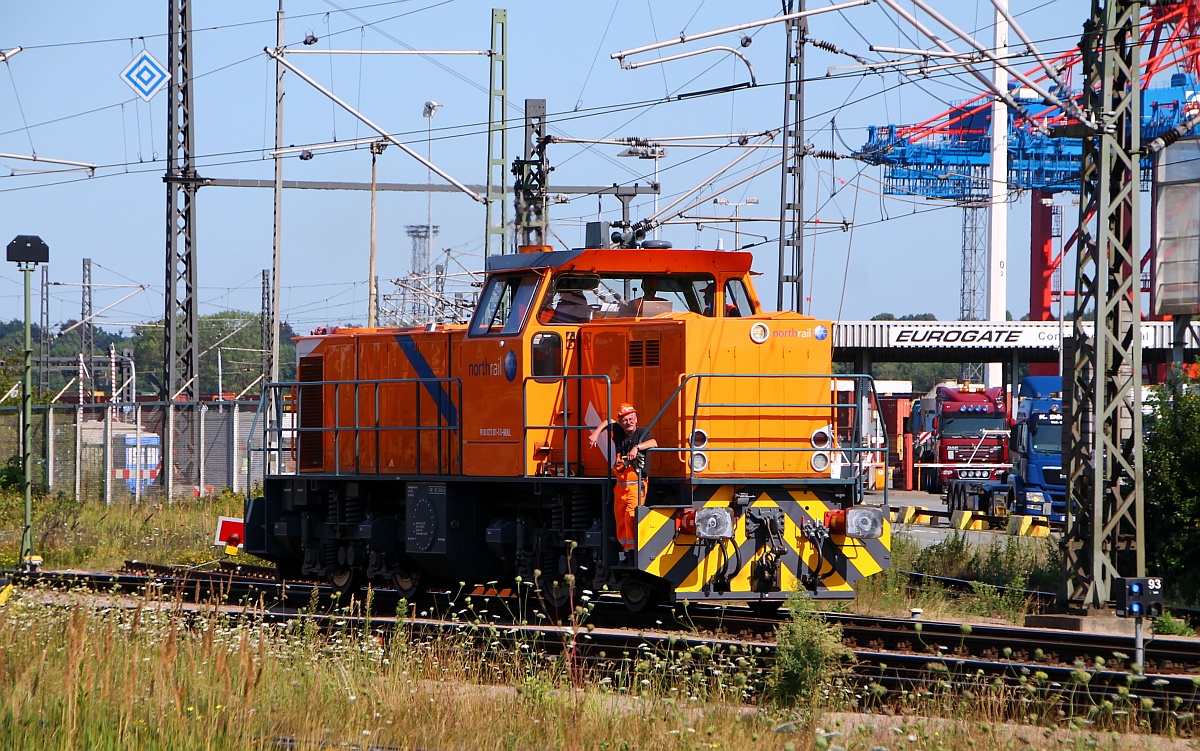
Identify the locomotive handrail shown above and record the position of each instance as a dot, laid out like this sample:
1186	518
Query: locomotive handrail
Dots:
297	429
565	427
858	446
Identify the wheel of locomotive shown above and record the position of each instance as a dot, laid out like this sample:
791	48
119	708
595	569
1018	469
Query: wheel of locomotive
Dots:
406	585
345	581
639	596
765	608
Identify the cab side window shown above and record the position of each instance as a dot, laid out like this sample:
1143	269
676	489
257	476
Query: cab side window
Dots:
546	349
737	301
504	305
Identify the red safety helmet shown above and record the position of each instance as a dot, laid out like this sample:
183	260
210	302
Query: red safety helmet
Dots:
626	409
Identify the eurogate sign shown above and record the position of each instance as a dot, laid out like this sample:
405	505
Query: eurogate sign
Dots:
975	334
970	334
978	341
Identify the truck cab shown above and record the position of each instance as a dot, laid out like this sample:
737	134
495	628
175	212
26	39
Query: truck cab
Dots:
1037	484
967	436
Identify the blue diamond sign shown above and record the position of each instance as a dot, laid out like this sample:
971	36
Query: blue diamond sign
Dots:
145	75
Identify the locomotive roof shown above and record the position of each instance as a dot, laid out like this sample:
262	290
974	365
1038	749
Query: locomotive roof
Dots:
625	260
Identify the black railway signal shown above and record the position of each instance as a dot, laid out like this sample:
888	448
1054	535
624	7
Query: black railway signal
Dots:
1139	596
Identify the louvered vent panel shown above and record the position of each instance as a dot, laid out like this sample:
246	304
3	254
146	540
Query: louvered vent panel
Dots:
652	353
312	411
637	354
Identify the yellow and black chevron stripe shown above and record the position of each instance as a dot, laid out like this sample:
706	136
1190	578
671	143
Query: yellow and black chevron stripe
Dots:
722	569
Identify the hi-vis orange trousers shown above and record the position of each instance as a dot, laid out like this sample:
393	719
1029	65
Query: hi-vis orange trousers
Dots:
628	494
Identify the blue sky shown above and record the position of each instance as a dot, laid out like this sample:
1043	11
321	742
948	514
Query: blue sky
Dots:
62	98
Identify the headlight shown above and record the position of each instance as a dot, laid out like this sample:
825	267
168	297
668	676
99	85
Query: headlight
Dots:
864	522
822	438
714	524
699	461
699	438
819	461
1035	496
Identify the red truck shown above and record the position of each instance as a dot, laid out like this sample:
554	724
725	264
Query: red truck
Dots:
960	432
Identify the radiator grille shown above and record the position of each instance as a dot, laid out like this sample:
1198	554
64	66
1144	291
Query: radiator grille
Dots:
312	411
644	353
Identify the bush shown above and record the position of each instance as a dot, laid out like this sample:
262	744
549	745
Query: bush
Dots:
999	572
12	476
1167	625
810	661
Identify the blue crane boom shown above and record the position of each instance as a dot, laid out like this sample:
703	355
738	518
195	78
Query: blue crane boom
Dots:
952	163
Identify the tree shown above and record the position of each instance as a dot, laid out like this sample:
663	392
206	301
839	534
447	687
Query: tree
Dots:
1172	488
230	354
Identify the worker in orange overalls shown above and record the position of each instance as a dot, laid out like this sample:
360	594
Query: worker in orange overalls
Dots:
631	469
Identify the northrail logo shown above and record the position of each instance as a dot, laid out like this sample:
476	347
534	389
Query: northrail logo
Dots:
145	75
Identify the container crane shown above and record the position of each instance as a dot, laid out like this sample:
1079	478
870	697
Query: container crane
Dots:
946	156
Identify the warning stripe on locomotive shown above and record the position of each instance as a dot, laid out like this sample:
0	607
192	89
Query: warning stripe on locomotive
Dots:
716	568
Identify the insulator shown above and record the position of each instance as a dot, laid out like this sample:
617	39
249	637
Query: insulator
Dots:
827	46
826	155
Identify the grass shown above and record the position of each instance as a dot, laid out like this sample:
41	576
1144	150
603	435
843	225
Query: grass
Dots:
86	676
89	676
90	535
998	573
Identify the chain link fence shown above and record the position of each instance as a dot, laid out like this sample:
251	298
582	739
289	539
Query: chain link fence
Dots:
114	451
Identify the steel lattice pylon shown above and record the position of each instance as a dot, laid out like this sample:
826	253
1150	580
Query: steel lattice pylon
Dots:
531	172
973	297
496	232
791	204
264	326
1104	435
87	329
181	336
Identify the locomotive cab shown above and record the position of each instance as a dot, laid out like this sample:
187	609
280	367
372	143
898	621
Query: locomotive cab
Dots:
460	453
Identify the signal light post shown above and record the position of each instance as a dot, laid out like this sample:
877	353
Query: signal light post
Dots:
1138	597
27	251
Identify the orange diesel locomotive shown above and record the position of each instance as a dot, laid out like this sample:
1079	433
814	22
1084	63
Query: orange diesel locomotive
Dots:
446	454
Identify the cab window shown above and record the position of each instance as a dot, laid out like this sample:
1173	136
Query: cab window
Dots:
574	299
546	349
737	301
504	305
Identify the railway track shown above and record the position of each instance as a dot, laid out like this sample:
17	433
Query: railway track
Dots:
900	663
